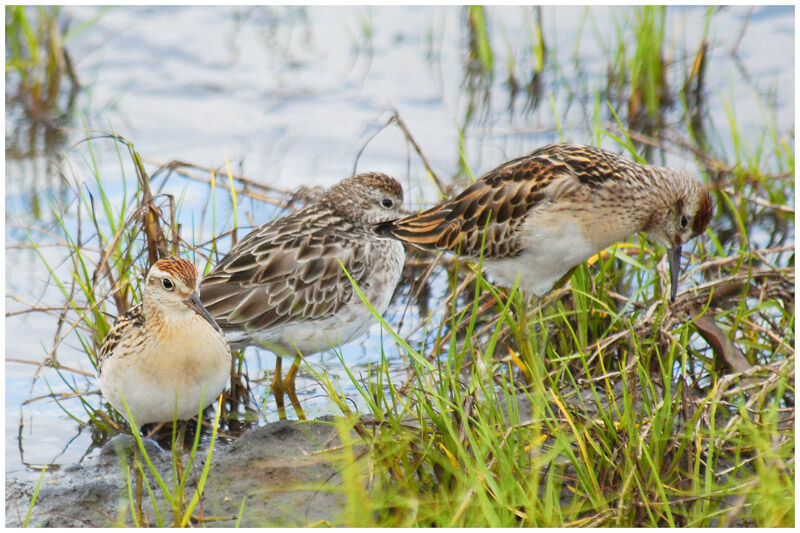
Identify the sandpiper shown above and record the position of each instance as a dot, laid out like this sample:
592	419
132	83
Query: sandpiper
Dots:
167	356
283	287
547	212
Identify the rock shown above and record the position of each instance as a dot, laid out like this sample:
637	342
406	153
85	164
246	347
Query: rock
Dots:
281	471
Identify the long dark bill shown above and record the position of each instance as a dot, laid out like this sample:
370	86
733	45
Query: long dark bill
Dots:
194	303
674	257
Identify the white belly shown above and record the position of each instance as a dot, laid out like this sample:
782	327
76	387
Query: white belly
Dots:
552	246
310	337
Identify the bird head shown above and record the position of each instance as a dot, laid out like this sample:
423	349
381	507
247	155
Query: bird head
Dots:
688	211
171	285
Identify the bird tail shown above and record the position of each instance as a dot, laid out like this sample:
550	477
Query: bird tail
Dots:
429	229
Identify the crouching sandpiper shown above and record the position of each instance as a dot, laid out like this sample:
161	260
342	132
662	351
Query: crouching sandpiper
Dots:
547	212
166	357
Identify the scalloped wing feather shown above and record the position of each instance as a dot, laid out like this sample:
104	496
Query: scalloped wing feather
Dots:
289	270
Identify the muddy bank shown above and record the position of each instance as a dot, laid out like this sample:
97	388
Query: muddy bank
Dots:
280	471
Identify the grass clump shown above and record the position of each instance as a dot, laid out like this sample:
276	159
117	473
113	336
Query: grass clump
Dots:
175	497
571	413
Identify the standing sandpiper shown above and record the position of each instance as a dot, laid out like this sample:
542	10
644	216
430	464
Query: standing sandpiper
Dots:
284	288
166	357
547	212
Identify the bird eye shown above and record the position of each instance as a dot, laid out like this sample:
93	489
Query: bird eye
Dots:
684	222
167	284
387	203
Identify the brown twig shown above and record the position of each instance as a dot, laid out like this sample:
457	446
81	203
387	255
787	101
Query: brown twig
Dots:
402	125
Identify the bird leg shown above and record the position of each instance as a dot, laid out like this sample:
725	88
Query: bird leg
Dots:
278	389
238	390
290	390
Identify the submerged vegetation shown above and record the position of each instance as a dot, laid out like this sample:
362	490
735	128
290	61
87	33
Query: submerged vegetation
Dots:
603	404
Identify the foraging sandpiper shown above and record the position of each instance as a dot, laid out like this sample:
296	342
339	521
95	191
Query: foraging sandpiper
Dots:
283	286
166	356
546	212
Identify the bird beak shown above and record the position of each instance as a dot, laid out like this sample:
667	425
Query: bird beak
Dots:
197	306
674	257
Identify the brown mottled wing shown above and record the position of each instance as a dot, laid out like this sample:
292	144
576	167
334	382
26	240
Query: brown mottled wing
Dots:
285	271
133	318
460	224
498	203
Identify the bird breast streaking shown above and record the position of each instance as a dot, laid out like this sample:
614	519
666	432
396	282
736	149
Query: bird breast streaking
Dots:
538	216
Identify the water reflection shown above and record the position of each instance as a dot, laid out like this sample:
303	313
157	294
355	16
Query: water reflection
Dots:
41	89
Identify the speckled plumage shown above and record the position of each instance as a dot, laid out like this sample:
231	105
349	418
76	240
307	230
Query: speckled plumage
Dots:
288	271
282	287
548	211
165	349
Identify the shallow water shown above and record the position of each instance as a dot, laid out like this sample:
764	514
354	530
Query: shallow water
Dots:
290	96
